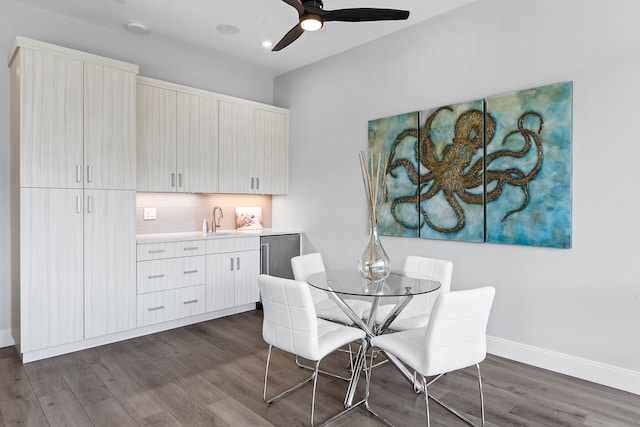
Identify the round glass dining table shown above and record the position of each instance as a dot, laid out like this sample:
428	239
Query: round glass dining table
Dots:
349	282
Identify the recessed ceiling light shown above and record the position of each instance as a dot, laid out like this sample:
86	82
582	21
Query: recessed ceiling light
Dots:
137	27
267	44
227	29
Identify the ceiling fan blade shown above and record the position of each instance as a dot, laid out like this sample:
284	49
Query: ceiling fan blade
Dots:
289	38
297	4
365	14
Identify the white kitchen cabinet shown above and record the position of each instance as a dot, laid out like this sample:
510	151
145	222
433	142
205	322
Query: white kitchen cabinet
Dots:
73	123
163	274
197	143
51	282
236	148
109	262
171	281
177	139
253	148
271	148
156	139
109	128
157	307
233	266
77	265
50	94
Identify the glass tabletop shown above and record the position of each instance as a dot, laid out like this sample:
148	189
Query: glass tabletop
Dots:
349	282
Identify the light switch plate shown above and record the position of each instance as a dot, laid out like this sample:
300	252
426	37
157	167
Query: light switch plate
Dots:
149	213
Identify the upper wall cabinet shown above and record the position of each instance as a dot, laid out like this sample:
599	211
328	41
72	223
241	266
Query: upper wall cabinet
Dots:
271	148
254	145
190	140
177	138
156	139
77	116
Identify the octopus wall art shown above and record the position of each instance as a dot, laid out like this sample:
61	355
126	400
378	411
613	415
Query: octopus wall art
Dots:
495	170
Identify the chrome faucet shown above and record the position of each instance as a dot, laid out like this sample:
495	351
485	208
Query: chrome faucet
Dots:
215	223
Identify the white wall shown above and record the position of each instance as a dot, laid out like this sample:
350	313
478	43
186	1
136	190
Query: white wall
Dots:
574	310
199	69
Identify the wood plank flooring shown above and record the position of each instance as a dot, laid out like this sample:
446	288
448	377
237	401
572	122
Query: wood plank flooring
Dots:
211	374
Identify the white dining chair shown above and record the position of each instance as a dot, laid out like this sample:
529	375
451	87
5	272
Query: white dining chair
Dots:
416	313
304	266
454	339
290	324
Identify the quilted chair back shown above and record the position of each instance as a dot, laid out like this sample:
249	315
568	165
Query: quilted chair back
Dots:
429	268
290	322
456	335
304	266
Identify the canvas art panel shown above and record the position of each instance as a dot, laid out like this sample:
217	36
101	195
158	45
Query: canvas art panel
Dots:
397	135
451	183
528	167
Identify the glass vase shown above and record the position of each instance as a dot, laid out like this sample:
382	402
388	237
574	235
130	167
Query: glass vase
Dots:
373	264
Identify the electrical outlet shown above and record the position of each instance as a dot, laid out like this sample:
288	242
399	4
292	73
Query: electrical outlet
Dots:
149	214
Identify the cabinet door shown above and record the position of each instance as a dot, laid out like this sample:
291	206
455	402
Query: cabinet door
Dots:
197	143
270	151
51	251
220	292
156	139
247	271
109	262
236	145
51	120
109	128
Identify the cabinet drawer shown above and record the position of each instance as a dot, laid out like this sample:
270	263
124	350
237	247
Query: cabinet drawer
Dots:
235	244
164	274
156	307
151	251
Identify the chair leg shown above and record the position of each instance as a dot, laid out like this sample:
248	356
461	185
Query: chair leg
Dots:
286	392
316	365
426	400
481	394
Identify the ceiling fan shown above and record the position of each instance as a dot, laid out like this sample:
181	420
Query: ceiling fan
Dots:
313	16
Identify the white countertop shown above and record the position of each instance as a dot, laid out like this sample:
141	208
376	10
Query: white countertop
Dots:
220	234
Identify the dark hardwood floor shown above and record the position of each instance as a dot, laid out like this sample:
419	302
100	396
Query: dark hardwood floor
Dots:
211	374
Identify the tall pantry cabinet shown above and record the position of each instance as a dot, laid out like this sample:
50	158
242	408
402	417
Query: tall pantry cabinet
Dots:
73	195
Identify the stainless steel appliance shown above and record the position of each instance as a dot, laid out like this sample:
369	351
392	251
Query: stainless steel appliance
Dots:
276	253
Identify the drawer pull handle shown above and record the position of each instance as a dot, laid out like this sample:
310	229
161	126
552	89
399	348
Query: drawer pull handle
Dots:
192	248
156	308
193	301
156	276
156	251
191	272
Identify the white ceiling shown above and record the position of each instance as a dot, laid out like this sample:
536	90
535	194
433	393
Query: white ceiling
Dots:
192	24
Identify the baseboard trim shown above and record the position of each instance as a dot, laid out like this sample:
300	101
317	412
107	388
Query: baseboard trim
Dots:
6	339
601	373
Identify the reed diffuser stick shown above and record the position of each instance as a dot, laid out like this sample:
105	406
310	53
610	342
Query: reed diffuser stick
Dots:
374	174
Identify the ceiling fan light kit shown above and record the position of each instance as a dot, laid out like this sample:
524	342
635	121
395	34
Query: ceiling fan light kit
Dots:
312	16
311	22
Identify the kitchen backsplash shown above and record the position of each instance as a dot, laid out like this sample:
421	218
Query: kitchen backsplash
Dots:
184	212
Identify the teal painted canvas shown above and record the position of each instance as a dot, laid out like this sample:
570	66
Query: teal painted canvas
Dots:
398	135
528	167
451	186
